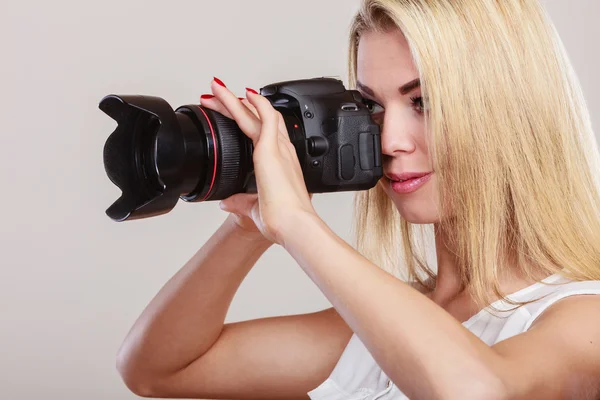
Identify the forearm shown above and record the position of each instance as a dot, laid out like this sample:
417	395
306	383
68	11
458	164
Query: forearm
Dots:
423	350
187	315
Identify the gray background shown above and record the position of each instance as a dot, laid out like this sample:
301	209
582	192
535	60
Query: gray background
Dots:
73	281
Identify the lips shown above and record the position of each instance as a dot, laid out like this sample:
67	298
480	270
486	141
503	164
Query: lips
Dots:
404	176
409	185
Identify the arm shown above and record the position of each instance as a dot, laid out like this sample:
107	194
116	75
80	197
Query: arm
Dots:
183	321
179	347
275	358
425	351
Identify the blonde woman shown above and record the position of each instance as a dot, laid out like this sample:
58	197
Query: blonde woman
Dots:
482	114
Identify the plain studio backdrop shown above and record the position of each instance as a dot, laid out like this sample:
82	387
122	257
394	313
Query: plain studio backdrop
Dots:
73	281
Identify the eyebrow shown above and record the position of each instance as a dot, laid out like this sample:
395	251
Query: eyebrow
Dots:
404	89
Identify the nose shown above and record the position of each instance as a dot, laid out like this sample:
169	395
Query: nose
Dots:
396	135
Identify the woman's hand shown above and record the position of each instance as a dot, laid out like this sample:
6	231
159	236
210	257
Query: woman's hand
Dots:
281	191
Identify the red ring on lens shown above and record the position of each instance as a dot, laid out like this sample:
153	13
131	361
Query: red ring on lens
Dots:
212	131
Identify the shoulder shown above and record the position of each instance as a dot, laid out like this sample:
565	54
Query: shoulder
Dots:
565	340
572	313
571	299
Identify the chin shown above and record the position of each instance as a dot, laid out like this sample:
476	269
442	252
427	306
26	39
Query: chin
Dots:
419	217
418	207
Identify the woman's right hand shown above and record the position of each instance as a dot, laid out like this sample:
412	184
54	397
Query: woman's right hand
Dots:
243	207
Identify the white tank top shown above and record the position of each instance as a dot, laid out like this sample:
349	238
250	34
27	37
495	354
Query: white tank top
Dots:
357	376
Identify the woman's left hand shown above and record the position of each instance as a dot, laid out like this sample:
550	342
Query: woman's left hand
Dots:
281	190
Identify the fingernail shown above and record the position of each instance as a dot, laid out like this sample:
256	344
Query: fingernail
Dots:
220	82
241	98
251	90
207	96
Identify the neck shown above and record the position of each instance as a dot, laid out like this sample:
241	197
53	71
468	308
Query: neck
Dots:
449	285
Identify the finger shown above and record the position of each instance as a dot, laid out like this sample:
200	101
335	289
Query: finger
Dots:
269	118
244	118
250	107
240	203
214	104
282	128
211	102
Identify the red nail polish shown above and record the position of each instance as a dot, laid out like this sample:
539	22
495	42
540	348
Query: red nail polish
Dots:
207	96
251	90
240	98
220	82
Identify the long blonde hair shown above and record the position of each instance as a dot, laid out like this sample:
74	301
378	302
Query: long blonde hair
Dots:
510	139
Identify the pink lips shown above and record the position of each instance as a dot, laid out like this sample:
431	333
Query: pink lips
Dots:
405	175
410	184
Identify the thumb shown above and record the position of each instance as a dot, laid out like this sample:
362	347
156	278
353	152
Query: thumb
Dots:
240	203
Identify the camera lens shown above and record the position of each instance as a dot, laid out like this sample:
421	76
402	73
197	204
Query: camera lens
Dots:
219	160
157	155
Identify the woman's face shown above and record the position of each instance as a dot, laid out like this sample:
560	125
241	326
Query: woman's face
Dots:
384	66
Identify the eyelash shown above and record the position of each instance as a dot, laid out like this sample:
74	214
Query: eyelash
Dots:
416	101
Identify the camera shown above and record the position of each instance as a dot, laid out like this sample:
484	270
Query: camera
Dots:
157	156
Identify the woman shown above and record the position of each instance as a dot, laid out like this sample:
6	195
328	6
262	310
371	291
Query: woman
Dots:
479	96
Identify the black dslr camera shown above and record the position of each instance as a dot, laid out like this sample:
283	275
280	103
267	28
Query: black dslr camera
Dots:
157	155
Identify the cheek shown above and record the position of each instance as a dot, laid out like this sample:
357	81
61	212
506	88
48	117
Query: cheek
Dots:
421	136
422	139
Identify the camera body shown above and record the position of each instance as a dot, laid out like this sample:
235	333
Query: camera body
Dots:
341	147
157	156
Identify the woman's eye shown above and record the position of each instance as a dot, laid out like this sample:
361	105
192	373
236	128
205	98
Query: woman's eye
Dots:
418	103
373	107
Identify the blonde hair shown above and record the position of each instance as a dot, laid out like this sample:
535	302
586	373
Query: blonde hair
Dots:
510	139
